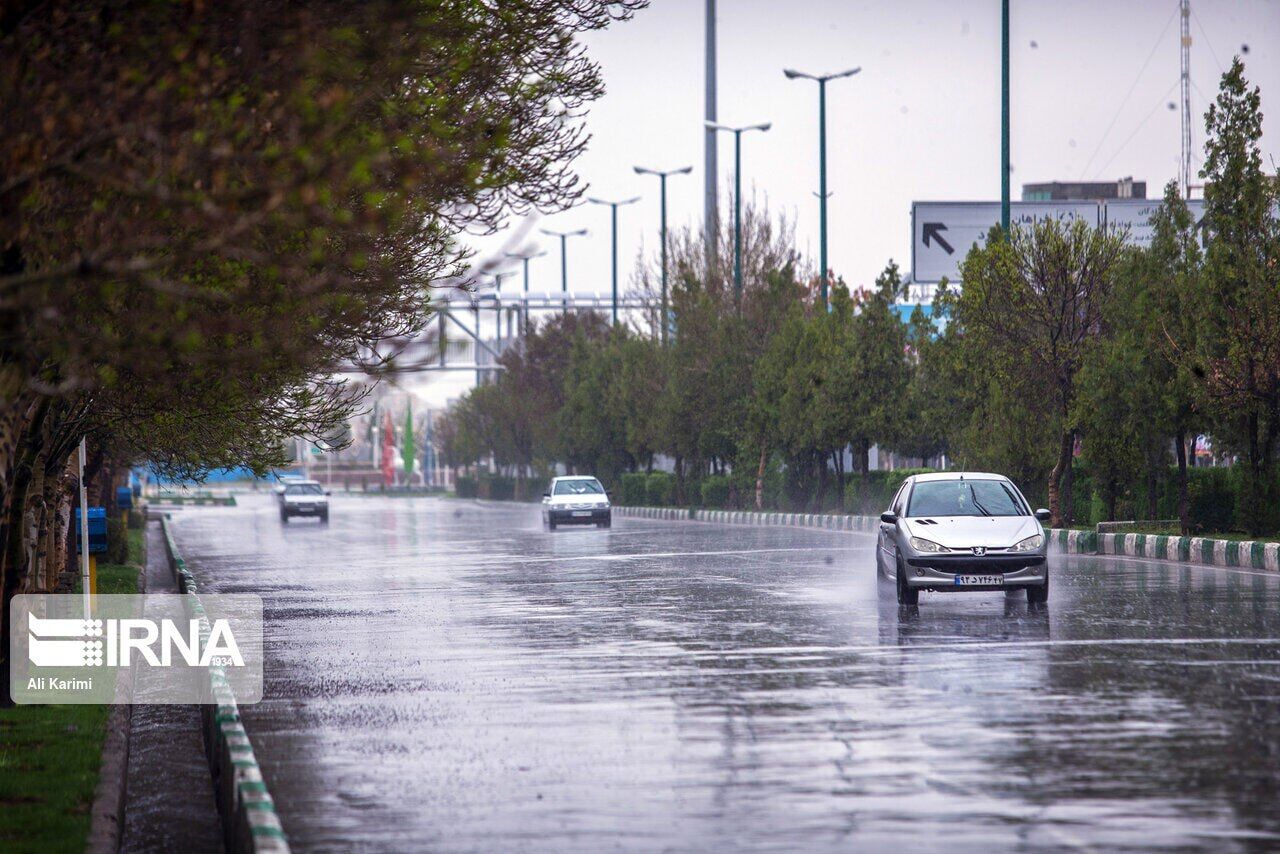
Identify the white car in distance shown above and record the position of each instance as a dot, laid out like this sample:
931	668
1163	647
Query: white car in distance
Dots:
576	500
304	498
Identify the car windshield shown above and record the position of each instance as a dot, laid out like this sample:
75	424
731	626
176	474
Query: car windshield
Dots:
303	489
964	498
579	487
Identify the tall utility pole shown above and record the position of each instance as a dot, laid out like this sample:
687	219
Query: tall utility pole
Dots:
524	308
737	201
711	190
1186	98
665	320
1004	115
613	211
564	262
822	163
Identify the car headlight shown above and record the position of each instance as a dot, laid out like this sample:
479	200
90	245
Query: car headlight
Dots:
1030	544
927	546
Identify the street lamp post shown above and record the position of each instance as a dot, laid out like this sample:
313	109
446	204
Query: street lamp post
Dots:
564	261
737	200
497	286
662	180
1004	115
524	308
822	160
613	213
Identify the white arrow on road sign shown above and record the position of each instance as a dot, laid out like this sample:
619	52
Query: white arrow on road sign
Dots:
944	232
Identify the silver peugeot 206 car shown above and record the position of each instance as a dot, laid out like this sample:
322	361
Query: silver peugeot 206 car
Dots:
955	531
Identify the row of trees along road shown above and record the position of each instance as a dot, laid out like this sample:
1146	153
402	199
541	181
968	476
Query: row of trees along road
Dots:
1062	338
207	208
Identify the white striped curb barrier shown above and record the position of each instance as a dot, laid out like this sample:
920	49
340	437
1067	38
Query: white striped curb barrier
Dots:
1197	550
249	819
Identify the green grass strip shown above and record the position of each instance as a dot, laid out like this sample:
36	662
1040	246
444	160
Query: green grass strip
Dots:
49	755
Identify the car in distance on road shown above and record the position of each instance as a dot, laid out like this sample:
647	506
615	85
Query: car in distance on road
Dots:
283	481
304	498
955	531
578	500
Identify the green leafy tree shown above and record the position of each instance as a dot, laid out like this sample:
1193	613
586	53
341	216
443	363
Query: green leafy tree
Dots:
938	397
1032	302
878	386
233	199
1236	355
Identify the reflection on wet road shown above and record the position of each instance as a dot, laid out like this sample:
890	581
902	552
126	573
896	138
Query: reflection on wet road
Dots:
445	674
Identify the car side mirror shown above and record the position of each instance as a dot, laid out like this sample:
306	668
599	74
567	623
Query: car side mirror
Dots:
1043	515
546	495
889	517
328	492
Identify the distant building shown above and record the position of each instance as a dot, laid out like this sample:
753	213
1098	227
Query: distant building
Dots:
1088	191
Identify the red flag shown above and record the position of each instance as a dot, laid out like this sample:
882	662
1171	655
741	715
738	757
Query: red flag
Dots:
388	450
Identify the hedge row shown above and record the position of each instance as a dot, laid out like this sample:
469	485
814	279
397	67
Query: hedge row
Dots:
862	496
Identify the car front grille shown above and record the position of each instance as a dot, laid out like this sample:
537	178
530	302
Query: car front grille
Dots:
978	566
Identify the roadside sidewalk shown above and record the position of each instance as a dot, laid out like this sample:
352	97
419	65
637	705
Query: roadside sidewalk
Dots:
169	801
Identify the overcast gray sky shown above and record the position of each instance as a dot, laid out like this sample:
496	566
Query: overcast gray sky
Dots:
921	121
1092	81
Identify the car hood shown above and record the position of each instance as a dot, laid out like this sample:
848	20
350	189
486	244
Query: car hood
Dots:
593	500
965	532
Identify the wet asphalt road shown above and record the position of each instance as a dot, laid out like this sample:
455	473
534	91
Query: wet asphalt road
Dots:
446	675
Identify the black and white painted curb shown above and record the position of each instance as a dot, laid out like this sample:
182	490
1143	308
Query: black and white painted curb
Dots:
249	820
1197	550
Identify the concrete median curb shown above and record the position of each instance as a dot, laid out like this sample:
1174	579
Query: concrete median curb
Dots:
1195	550
107	815
249	820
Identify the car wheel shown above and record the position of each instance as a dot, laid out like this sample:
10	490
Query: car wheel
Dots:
324	518
1039	595
907	595
607	523
284	517
551	525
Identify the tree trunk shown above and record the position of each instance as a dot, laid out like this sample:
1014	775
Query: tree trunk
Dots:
1255	472
837	457
1153	483
764	459
22	443
819	500
1056	478
1184	504
1069	481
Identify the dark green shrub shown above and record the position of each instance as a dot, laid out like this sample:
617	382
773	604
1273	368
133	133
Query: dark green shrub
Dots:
466	487
870	495
660	489
1212	493
715	491
497	487
117	540
633	489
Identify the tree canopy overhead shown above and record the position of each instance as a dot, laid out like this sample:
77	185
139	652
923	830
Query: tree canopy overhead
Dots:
206	208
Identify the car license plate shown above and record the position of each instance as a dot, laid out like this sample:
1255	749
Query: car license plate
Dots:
581	512
979	580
